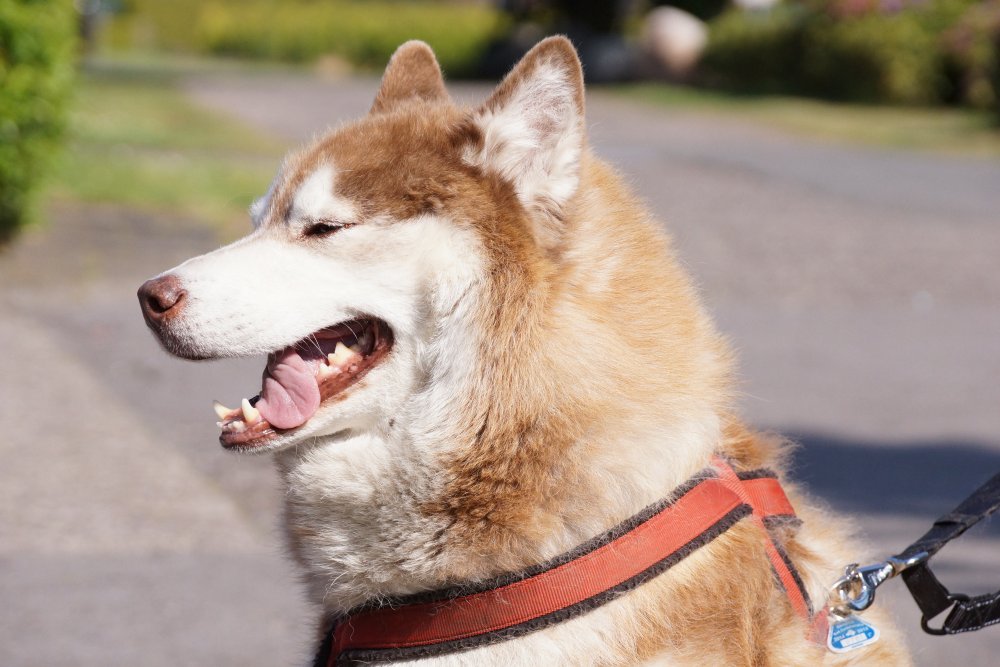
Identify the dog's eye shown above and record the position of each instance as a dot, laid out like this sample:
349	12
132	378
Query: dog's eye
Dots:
324	228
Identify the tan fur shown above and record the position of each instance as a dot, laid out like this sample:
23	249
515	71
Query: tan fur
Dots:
599	385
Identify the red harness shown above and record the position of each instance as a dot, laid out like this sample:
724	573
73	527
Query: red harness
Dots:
589	576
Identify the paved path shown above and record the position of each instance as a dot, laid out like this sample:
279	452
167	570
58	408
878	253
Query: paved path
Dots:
859	287
127	537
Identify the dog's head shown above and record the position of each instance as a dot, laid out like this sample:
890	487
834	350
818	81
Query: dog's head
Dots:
385	251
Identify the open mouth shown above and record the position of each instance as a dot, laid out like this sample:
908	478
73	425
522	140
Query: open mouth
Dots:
298	379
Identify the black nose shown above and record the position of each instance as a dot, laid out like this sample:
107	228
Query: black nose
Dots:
161	299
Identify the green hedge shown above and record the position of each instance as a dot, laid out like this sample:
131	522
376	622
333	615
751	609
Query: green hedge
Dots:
363	33
36	65
876	58
823	48
755	51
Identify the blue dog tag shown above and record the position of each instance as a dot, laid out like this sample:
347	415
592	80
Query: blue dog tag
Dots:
850	633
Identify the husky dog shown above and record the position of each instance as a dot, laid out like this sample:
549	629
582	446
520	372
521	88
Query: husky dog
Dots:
481	354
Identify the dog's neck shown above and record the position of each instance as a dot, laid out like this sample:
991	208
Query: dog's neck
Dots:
378	527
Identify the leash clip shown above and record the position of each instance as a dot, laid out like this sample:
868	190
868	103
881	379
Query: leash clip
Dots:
855	591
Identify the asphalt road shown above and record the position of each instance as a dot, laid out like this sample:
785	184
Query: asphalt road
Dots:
859	286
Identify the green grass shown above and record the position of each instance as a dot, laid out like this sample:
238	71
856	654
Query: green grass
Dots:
943	130
136	141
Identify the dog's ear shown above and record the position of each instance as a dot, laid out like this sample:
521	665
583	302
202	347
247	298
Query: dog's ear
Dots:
413	71
531	132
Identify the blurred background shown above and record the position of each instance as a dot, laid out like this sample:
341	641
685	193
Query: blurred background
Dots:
829	169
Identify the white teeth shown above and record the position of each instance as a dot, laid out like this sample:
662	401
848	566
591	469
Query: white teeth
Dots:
221	410
326	371
250	413
356	349
342	355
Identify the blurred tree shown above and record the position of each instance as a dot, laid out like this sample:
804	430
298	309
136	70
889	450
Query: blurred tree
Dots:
599	16
596	28
972	45
90	14
602	17
36	66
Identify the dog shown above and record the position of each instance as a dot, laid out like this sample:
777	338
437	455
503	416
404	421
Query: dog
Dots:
486	372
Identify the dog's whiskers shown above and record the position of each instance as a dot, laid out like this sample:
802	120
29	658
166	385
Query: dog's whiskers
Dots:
312	340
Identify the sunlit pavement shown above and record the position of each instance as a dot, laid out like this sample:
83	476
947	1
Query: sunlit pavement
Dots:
859	287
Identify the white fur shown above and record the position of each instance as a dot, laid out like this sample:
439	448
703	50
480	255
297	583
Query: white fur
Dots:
316	199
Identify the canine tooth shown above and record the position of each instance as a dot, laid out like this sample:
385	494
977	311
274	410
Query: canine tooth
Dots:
342	355
250	413
221	410
356	349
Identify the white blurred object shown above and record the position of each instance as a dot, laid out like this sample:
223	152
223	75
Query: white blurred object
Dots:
755	4
674	39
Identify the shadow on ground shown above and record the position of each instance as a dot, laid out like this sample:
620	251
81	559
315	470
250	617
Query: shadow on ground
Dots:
920	479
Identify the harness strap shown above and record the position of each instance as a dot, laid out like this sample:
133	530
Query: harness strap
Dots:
817	623
749	493
595	573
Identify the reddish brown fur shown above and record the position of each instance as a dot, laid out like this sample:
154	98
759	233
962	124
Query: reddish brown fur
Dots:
533	435
412	73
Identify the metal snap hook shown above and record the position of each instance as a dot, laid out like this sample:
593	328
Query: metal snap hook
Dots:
855	591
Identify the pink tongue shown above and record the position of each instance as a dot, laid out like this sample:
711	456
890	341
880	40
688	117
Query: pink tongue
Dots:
290	395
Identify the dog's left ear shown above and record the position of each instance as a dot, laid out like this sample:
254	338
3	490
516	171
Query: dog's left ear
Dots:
413	71
531	133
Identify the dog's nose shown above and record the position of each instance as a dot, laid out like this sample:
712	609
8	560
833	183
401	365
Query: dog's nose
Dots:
161	298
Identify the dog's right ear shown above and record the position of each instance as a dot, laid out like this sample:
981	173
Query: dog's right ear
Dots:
413	71
530	133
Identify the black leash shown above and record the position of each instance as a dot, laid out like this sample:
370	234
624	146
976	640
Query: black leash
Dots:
967	613
855	592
